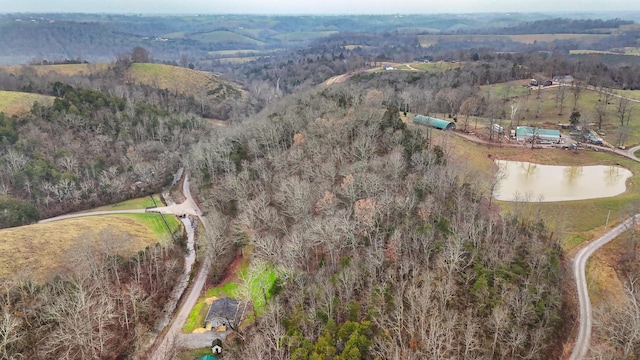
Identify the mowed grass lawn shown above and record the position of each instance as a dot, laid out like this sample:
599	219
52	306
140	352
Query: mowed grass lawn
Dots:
138	203
248	283
15	102
45	250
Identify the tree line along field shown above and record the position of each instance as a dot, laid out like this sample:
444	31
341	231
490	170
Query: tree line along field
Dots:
361	236
201	85
386	234
16	103
43	251
428	40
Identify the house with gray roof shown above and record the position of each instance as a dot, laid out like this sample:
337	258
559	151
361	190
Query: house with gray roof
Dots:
224	312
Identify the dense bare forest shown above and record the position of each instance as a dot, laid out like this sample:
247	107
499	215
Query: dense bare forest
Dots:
384	248
106	309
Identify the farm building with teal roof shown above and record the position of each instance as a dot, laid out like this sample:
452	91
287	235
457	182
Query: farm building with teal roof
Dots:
527	133
434	122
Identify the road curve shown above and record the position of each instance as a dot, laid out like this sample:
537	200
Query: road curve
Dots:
581	346
91	213
632	152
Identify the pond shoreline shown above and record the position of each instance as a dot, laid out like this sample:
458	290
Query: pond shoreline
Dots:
532	182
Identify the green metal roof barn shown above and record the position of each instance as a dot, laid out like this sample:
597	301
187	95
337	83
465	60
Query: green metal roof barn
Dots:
433	122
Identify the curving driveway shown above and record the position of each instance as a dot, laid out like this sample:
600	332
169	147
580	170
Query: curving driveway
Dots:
632	153
581	347
171	338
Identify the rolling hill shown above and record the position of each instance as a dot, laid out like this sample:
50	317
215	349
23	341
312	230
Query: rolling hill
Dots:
15	103
45	250
199	84
185	81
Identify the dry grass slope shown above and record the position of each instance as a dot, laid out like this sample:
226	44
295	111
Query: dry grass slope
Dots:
44	250
182	80
16	103
178	79
62	69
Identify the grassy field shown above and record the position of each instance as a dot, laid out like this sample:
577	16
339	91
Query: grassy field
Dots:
577	220
174	35
174	78
506	90
193	354
631	94
238	60
183	80
543	108
139	203
15	103
240	287
221	36
62	69
45	250
352	47
304	35
236	53
436	66
155	223
625	51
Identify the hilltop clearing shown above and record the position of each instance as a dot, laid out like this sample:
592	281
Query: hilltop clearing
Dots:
18	103
201	85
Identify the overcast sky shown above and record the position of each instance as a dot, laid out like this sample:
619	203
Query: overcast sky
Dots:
314	6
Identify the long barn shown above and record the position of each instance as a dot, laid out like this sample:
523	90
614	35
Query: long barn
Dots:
434	122
527	133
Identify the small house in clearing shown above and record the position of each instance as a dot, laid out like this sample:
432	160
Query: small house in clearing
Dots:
434	122
223	313
528	134
563	79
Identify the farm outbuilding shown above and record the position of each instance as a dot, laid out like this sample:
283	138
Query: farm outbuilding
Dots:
434	122
527	133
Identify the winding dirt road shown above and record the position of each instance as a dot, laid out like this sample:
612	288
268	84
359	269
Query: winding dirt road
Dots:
169	339
581	347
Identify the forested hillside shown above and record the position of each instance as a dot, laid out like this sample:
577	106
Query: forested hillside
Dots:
384	244
118	133
89	148
107	309
384	248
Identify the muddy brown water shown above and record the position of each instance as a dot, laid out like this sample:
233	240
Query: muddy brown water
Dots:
530	182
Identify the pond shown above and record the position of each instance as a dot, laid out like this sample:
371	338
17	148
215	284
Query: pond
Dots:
525	181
